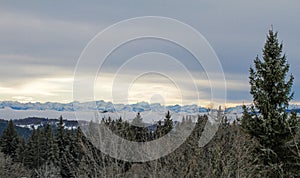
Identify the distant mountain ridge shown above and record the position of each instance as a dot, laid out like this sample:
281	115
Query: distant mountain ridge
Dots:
101	106
150	112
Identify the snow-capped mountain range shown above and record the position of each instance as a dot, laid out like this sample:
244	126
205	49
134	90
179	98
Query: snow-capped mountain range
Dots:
101	106
150	112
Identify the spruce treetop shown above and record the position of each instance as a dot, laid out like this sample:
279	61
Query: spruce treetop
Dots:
269	87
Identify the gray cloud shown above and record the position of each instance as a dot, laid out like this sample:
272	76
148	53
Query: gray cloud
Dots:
44	40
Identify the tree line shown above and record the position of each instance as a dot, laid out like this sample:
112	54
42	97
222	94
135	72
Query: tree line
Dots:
69	153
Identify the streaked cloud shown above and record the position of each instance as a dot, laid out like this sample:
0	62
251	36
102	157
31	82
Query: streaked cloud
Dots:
41	42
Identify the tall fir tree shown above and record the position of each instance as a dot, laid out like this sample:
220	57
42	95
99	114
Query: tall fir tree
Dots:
9	140
138	127
50	145
63	144
21	150
32	150
168	123
60	137
138	120
267	119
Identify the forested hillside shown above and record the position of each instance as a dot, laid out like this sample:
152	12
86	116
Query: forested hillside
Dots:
68	153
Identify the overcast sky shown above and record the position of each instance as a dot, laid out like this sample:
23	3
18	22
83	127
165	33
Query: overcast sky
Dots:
41	43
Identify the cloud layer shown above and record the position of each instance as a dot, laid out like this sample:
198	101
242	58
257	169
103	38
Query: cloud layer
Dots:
41	43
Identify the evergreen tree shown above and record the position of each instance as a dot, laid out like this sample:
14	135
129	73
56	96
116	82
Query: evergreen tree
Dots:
159	130
32	150
79	142
60	135
11	169
9	140
165	127
168	123
21	150
268	120
138	128
138	121
62	140
50	145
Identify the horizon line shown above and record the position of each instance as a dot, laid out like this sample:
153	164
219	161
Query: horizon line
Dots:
212	105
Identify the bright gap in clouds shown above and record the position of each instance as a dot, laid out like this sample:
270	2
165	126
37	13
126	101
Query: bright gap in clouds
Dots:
139	88
57	89
147	75
153	87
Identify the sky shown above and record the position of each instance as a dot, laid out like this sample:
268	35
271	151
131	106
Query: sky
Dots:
41	43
